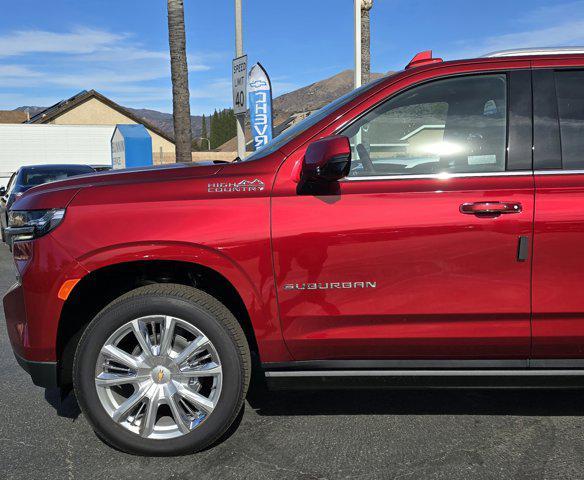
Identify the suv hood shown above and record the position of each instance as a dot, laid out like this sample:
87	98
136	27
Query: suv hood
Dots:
59	194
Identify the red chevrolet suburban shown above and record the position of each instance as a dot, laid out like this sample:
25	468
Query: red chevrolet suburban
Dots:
427	225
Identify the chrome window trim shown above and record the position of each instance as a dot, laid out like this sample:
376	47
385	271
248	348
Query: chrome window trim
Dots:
447	176
559	172
438	176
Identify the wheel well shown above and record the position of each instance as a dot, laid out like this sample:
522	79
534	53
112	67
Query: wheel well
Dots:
99	288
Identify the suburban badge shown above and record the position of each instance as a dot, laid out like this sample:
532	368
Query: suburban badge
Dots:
329	286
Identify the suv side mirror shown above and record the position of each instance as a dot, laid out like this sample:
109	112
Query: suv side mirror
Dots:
327	159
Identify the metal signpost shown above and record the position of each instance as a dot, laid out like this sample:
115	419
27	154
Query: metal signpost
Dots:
239	82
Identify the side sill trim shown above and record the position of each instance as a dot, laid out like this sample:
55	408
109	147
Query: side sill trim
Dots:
423	373
357	365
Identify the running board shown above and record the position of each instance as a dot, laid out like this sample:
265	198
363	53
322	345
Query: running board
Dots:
424	373
426	367
507	373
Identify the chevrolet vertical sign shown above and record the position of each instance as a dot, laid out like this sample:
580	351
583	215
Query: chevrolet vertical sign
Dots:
260	106
239	82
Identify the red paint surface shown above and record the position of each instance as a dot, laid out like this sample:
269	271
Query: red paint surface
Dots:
448	283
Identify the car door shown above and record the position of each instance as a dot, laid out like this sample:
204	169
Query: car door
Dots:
422	252
558	263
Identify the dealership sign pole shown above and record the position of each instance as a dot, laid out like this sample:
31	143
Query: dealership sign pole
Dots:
239	82
260	106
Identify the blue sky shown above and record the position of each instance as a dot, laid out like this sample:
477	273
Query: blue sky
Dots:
50	50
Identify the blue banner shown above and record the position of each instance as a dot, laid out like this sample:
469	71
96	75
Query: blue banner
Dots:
260	106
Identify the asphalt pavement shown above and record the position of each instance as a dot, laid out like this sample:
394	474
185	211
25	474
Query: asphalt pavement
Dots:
384	434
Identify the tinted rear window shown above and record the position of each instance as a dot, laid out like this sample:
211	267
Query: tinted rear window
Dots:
38	177
570	91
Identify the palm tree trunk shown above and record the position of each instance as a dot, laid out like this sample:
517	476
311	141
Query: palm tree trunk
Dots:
366	6
181	109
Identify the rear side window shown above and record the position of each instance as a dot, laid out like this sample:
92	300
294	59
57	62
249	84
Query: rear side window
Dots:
570	92
455	125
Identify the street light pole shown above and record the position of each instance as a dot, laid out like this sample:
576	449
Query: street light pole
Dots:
208	142
238	53
357	21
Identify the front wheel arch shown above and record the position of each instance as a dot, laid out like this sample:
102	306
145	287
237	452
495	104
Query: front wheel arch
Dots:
102	286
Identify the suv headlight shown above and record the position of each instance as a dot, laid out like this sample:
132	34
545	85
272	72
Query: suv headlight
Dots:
30	224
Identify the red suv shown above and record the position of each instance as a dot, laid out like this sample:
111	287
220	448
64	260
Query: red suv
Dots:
428	224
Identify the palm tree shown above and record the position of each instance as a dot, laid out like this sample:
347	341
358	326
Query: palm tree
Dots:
181	109
366	6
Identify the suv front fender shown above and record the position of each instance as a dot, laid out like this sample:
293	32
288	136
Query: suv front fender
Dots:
258	296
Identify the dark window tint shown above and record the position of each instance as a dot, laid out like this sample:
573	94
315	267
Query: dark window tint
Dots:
30	178
456	125
570	91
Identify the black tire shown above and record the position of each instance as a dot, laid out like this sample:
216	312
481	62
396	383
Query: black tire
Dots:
194	306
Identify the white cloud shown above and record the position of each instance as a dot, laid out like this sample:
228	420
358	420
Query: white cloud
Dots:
551	26
89	58
18	76
78	41
19	71
557	13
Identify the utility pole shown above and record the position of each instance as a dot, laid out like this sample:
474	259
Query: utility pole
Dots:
366	6
362	42
239	53
357	24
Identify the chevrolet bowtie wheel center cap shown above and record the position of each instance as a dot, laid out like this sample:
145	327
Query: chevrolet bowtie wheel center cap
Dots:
160	375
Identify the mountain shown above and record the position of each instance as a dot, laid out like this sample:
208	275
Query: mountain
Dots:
317	95
164	120
159	119
292	106
32	111
305	99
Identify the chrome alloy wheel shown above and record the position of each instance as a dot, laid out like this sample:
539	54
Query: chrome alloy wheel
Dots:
158	376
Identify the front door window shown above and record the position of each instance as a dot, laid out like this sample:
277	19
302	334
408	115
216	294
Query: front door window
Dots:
455	125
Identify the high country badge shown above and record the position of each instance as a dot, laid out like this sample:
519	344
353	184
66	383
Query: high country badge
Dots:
242	186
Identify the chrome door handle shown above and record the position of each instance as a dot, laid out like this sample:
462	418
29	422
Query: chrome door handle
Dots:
490	208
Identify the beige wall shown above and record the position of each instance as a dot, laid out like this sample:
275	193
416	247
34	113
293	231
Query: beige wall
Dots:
204	156
95	112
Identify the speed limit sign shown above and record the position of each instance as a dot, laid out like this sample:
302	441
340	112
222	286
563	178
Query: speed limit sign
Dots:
240	85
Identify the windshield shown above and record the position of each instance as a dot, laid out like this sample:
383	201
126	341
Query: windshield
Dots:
32	178
309	121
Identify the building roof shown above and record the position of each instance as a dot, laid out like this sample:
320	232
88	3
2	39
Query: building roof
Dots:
132	131
12	116
63	106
